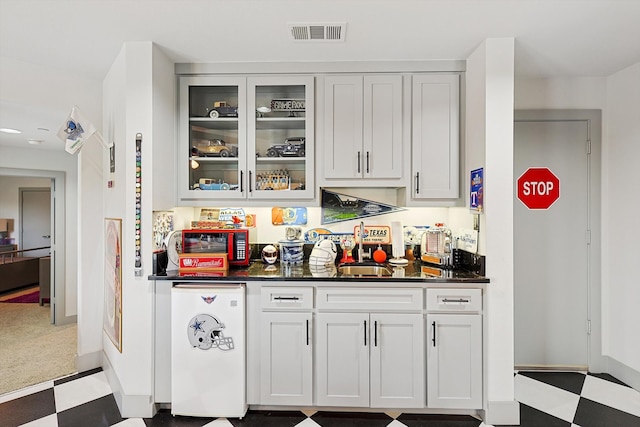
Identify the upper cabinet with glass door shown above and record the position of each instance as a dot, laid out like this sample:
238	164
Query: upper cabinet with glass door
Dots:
280	134
213	143
246	139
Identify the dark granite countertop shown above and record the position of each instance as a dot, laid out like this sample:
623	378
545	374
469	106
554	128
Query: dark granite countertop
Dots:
414	272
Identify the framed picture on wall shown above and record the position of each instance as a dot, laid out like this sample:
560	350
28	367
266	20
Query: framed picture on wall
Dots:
112	323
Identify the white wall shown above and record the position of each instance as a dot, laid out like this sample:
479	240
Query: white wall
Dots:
131	90
489	130
620	231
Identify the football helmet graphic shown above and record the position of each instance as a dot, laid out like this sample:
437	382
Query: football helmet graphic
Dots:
205	332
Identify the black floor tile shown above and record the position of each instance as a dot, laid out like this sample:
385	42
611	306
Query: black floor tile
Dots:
269	419
351	419
164	419
76	376
433	420
102	412
28	408
531	417
594	414
609	378
569	381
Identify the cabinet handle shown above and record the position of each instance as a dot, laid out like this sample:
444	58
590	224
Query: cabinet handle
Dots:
417	182
241	181
358	162
250	178
445	300
287	298
433	336
375	333
365	333
367	162
307	331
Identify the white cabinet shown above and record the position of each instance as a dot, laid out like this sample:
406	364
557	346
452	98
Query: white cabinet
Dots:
245	138
369	359
435	147
363	128
286	347
454	348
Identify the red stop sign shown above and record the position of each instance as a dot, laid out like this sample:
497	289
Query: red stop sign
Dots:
538	188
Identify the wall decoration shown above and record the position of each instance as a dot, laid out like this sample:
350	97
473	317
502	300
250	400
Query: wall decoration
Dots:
162	226
289	216
338	207
476	191
112	323
138	257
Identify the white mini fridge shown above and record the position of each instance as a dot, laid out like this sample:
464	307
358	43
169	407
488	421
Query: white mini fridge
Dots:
208	362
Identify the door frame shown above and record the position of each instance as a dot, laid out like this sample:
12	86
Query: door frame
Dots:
593	118
58	238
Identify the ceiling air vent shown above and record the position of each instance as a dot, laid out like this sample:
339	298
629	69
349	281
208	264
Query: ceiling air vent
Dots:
333	32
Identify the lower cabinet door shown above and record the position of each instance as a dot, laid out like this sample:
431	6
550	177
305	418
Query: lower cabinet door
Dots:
454	361
397	361
286	359
342	359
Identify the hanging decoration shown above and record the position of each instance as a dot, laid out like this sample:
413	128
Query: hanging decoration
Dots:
338	207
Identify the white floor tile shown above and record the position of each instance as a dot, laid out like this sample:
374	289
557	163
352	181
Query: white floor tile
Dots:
49	421
220	422
396	423
307	423
131	422
81	391
611	394
543	397
25	391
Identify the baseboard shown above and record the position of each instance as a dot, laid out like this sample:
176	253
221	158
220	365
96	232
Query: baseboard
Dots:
130	406
86	362
627	375
502	413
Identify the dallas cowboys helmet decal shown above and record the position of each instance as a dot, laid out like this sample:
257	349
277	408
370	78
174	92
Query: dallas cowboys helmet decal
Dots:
205	332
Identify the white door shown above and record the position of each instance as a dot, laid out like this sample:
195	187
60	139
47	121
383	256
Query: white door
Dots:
35	214
342	361
397	361
286	362
551	248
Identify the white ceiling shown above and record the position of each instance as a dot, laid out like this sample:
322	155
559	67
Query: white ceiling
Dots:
81	38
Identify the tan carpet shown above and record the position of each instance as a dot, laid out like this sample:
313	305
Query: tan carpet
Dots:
32	350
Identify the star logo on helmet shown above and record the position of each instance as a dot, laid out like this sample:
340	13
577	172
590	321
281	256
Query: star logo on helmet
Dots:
209	300
197	325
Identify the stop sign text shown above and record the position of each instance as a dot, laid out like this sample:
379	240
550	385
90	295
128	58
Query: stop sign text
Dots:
538	188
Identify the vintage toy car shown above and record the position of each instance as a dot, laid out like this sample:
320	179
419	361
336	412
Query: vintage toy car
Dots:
215	147
210	184
222	109
292	147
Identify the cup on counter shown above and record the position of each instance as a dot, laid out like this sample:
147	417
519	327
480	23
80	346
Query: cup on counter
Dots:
291	252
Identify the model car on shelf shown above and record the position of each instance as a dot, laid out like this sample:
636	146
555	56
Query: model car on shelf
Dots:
292	147
221	109
215	147
211	184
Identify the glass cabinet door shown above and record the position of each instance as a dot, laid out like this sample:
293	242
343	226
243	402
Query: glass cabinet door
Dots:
280	134
213	138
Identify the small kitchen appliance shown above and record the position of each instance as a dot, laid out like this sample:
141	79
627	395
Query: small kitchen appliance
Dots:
436	246
234	242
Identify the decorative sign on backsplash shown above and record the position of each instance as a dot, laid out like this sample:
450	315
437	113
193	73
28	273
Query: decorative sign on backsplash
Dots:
338	207
288	216
315	234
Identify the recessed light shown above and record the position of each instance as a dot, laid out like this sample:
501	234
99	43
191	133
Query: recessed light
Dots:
9	130
35	141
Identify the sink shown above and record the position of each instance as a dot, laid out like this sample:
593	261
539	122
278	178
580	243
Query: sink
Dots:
364	270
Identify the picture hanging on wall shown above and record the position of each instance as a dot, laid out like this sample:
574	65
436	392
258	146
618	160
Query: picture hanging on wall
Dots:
112	323
476	191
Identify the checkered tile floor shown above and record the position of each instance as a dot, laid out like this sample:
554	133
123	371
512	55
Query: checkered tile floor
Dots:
547	399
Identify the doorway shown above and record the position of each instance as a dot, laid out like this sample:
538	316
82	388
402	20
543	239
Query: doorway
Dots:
556	250
35	220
